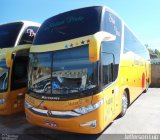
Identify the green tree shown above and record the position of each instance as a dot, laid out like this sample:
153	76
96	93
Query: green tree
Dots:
157	52
153	53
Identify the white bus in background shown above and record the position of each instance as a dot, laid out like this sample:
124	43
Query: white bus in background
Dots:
17	33
15	41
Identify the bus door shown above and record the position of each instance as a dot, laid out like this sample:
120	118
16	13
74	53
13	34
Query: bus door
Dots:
107	67
19	79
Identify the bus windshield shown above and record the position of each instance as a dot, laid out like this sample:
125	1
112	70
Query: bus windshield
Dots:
3	75
9	33
60	73
69	25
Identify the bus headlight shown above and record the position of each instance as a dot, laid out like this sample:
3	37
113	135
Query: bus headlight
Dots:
2	101
89	108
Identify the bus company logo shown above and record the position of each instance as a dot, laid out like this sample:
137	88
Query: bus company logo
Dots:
49	113
50	123
50	98
31	32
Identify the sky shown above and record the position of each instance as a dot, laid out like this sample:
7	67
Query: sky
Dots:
142	16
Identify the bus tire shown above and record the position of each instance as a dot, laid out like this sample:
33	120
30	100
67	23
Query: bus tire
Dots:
125	103
147	86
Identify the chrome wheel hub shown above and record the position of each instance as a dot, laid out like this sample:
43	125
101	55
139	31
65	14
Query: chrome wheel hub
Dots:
124	102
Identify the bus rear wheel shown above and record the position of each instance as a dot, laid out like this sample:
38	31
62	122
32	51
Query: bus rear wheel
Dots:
124	104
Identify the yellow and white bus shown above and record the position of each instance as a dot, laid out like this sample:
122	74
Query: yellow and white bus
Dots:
86	67
15	41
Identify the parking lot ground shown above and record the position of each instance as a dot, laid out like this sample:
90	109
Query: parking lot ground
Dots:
142	117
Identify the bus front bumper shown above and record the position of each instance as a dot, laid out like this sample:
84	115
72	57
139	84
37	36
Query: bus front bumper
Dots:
90	123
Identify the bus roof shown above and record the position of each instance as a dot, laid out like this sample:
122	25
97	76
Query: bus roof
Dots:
25	22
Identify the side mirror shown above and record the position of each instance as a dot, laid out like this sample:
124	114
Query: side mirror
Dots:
20	96
95	43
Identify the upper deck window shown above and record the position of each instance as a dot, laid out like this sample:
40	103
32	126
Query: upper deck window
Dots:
69	25
9	33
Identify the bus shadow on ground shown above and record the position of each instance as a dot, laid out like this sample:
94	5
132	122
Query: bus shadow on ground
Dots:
13	121
40	133
35	132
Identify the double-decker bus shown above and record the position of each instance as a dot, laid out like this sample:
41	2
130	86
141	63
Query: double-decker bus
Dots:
15	41
86	67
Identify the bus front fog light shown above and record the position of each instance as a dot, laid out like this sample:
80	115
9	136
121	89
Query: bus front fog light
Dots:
91	124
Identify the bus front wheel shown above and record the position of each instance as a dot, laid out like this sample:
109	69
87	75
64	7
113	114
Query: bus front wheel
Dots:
124	104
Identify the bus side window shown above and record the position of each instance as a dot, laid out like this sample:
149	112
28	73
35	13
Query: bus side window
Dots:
28	35
19	73
107	67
